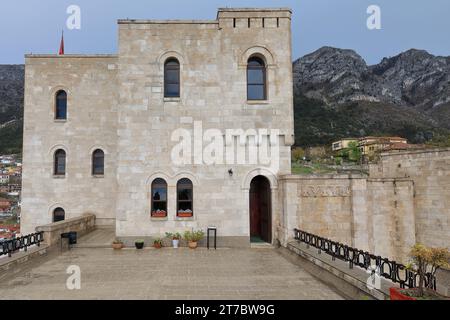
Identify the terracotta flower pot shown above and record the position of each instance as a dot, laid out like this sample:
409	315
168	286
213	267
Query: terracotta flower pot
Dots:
184	215
159	215
157	245
396	294
117	246
193	244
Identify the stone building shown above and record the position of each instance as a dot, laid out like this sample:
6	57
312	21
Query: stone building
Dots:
101	130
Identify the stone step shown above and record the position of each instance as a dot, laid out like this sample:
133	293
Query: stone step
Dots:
261	245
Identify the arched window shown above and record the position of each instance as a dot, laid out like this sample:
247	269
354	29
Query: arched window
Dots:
61	105
59	214
172	78
256	79
159	198
184	198
98	163
59	168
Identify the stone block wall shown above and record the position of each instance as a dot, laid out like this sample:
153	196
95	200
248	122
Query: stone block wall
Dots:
430	172
376	215
404	200
90	84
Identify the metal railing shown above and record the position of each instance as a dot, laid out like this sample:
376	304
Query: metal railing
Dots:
10	246
388	269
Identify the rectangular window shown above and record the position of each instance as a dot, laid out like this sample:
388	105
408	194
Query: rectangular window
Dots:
256	92
99	168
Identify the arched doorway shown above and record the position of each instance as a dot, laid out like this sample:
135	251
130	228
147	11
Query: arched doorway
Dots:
260	210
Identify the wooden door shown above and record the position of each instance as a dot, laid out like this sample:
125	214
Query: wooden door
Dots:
260	209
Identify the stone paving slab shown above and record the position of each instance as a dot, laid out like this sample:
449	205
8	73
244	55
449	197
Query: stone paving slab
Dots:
168	273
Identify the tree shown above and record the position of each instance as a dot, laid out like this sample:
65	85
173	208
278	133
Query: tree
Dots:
427	261
354	152
298	154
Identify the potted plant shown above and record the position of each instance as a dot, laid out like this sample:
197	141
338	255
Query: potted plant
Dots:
425	262
175	238
159	214
185	213
139	244
117	244
157	243
193	237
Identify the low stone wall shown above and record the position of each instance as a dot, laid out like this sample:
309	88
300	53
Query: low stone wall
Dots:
53	231
375	215
18	258
352	283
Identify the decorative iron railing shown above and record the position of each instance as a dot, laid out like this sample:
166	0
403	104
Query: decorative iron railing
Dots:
10	246
388	269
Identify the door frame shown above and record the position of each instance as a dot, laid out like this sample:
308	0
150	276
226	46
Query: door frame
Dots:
270	233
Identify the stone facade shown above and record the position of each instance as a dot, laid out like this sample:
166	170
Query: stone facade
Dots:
90	83
404	200
116	103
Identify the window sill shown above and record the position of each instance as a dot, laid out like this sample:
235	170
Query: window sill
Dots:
184	218
59	176
60	120
98	176
256	102
172	99
159	219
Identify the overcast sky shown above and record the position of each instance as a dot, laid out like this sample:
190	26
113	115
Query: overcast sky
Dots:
35	26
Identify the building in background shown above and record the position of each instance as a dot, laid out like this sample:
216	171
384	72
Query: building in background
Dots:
342	144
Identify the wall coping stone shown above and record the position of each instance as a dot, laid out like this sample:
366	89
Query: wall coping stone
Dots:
417	151
52	232
321	177
63	224
68	56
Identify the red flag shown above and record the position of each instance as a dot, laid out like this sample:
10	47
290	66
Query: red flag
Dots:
61	46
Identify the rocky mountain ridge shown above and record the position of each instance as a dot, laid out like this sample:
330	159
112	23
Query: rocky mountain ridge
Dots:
336	76
339	95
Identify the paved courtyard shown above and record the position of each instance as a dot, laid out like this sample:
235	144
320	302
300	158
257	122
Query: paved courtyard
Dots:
167	274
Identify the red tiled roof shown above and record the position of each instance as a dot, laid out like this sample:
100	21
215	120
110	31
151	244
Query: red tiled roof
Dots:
399	146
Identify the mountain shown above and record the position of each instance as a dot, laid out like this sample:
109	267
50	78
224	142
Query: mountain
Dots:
11	108
338	95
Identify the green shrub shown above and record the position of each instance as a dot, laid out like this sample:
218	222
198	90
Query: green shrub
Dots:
194	236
